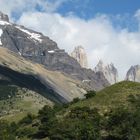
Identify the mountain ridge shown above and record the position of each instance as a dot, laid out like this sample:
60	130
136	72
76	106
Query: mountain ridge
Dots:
41	49
60	86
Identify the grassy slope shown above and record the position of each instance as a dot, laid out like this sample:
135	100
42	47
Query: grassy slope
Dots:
112	96
108	98
14	106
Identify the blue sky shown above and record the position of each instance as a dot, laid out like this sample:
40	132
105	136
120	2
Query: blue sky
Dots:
89	8
120	12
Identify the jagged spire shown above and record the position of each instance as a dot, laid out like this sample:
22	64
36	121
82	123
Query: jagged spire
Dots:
80	55
133	74
109	71
101	63
4	17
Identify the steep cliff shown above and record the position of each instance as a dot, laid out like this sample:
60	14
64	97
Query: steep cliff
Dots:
80	55
133	74
109	71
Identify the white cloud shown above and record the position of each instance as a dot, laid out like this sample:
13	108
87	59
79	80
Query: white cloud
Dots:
100	39
20	6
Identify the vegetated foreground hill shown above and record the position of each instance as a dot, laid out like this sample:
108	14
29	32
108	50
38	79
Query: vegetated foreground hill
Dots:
111	114
16	102
112	97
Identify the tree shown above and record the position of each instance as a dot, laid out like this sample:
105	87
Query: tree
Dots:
75	100
123	124
81	123
46	116
46	113
5	131
27	119
90	94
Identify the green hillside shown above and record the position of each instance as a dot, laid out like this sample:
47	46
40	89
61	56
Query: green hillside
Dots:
111	114
111	97
16	102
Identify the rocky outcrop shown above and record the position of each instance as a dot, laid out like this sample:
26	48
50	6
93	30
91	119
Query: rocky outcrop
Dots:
38	48
4	17
80	55
133	74
109	71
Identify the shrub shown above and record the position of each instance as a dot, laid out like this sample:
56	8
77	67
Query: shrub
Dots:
75	100
90	94
27	119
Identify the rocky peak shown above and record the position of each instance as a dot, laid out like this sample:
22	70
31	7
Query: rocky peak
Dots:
133	74
109	71
4	17
41	49
80	55
99	66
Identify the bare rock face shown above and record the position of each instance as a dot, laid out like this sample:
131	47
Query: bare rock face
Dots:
133	74
109	71
4	17
80	55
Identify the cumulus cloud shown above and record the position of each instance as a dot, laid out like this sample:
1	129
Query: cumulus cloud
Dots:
17	7
98	36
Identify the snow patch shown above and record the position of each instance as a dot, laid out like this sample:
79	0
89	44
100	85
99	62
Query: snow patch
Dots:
32	35
1	32
4	22
51	51
19	53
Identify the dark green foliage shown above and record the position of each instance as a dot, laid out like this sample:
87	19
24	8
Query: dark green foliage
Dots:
72	122
90	94
7	91
134	100
75	100
123	124
27	119
6	133
24	132
85	121
13	127
80	124
57	107
66	105
46	113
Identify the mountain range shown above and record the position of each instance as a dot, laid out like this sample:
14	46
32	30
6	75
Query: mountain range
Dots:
109	71
34	61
